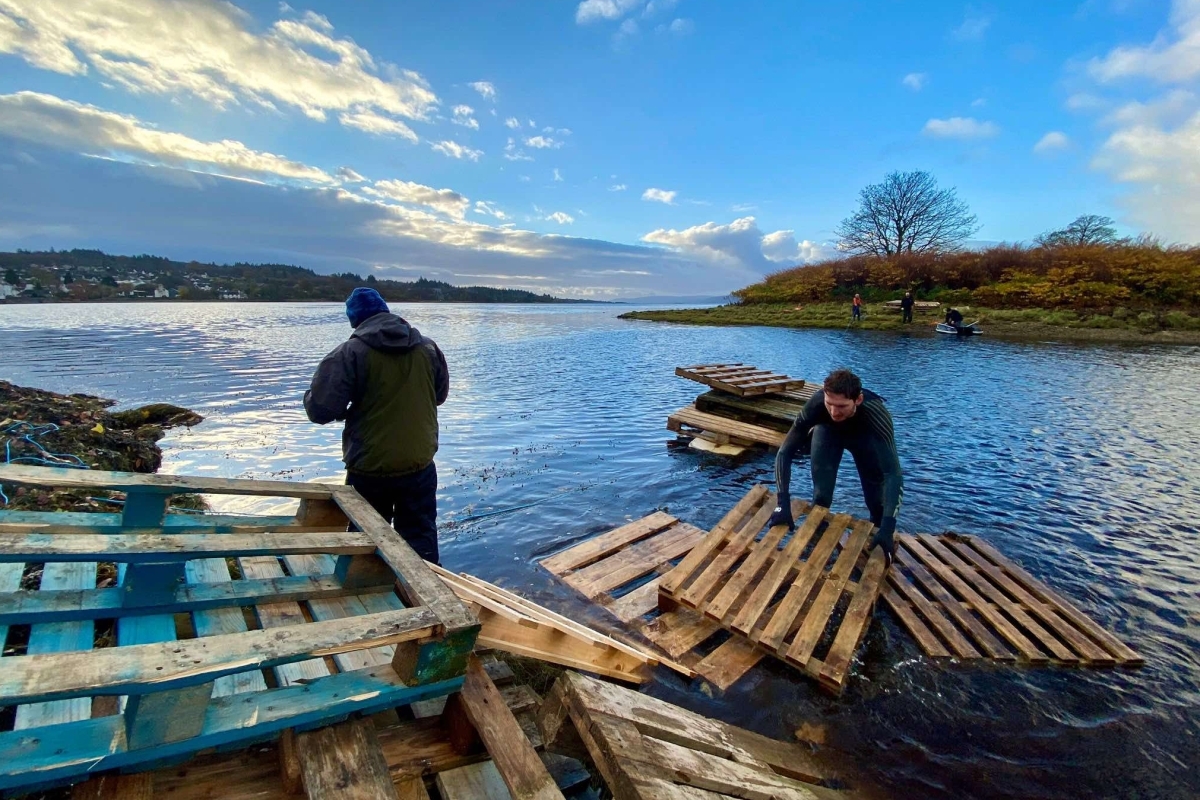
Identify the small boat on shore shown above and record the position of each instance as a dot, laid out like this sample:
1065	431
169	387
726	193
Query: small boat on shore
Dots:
959	330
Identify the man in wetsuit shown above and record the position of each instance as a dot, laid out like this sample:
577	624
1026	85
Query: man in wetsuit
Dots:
954	317
844	416
906	307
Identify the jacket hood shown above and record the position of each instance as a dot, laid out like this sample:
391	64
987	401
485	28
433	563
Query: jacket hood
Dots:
387	332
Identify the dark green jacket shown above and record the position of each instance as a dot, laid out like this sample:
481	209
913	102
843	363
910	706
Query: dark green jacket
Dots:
386	381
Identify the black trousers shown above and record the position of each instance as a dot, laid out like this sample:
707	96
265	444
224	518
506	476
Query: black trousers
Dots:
907	315
408	502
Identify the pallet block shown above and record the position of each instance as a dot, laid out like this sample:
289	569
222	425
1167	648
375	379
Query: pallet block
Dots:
960	598
804	597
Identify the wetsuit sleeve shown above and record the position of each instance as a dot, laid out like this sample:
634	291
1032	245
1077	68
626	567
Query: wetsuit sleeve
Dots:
797	440
888	461
333	387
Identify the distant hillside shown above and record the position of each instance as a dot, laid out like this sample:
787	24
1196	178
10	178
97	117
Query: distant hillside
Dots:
78	275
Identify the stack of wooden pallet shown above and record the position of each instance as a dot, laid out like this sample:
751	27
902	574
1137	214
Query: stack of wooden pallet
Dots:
746	406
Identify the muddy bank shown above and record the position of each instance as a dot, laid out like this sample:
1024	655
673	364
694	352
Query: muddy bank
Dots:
40	427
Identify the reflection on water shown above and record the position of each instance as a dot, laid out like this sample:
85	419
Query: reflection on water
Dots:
1076	461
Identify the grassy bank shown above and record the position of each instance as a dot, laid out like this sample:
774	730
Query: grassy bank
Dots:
1173	327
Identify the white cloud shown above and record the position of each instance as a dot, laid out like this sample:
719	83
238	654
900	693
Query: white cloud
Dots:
524	178
1085	101
489	209
560	131
618	187
974	25
47	120
456	150
978	102
679	27
513	123
543	142
514	153
349	176
215	52
659	196
740	207
596	10
371	122
562	218
960	128
557	175
1173	56
1168	109
1052	142
658	6
740	244
463	116
446	201
486	89
915	80
627	28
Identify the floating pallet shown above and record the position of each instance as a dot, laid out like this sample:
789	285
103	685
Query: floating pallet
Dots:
647	749
690	421
620	570
806	598
776	411
515	625
960	598
345	622
739	379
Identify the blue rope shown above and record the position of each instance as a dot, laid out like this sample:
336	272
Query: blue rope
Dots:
28	432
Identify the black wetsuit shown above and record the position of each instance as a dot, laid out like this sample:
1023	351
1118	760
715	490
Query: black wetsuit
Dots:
954	318
906	307
867	435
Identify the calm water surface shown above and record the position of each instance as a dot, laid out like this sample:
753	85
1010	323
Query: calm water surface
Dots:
1077	461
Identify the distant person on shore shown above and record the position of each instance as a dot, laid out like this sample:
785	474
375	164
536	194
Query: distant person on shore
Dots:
386	381
843	416
856	308
906	307
953	317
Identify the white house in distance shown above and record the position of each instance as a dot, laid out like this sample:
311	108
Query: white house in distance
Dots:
7	290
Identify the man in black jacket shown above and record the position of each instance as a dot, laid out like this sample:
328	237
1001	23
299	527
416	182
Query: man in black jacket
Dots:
386	381
844	416
906	307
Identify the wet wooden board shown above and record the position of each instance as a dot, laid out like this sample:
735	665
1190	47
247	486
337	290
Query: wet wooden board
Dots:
636	555
647	748
959	597
740	379
805	598
689	420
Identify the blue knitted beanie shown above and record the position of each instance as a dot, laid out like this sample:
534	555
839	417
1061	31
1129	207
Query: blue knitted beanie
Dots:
362	304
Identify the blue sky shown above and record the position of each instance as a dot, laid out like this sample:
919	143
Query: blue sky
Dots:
603	148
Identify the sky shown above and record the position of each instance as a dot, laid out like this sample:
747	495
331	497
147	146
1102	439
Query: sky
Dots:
600	149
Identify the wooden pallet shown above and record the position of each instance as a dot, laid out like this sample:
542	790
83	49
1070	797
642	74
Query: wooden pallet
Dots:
620	570
516	625
805	598
690	421
332	621
647	749
739	379
960	598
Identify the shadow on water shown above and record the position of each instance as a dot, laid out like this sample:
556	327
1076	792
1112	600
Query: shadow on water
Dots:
1076	461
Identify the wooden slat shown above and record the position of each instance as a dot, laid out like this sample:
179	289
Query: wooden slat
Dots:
690	415
221	620
854	623
932	613
677	632
812	570
480	781
10	581
696	594
1047	595
606	544
281	615
638	603
727	664
748	571
344	762
173	546
46	643
98	480
816	619
748	617
912	623
674	580
631	563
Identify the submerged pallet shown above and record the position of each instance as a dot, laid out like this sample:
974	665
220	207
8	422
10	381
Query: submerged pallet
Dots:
960	598
647	749
805	598
739	379
721	430
337	622
621	569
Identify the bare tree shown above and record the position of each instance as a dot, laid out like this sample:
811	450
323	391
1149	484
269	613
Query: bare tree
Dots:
906	213
1086	229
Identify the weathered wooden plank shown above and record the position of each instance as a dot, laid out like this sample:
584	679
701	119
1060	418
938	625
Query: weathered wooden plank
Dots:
912	623
635	604
727	664
518	763
854	623
677	632
1027	649
1047	595
748	571
115	787
948	603
751	612
690	415
61	477
480	781
46	642
1078	641
89	604
87	522
632	562
810	572
674	580
819	613
607	543
126	670
412	789
933	614
173	546
10	581
218	621
707	582
280	615
345	762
